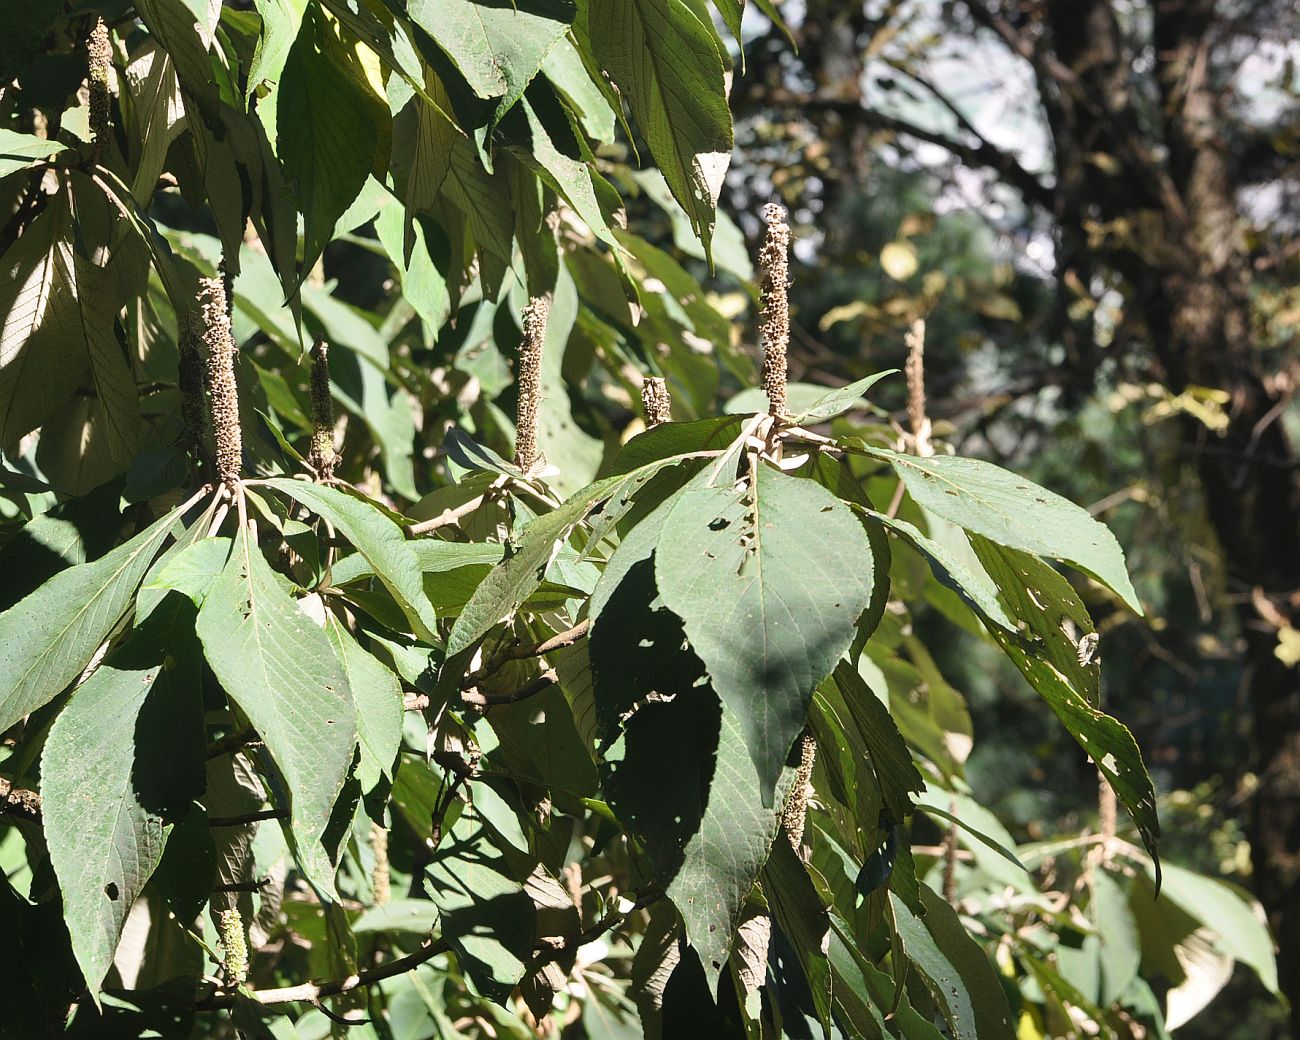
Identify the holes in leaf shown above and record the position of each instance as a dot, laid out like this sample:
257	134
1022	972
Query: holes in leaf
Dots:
111	891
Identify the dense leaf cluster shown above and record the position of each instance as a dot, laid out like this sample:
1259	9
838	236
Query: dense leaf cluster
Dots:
526	742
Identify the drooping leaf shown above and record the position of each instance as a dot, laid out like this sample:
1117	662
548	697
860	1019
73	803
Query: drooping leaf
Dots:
377	538
895	771
157	113
281	671
667	63
767	603
22	151
970	583
116	400
687	787
484	911
42	353
109	783
956	970
48	638
1010	510
1041	601
329	129
498	48
802	917
377	695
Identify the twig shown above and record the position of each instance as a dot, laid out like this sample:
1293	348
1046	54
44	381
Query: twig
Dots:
486	700
231	742
520	653
246	818
311	992
950	859
616	917
447	516
242	886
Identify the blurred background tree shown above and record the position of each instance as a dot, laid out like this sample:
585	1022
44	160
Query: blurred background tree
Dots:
1092	202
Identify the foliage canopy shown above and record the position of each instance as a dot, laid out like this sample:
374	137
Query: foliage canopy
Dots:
637	734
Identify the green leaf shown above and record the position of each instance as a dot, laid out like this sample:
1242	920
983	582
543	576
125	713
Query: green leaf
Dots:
1041	602
890	758
1121	954
837	402
969	582
993	837
801	915
484	912
770	581
1237	924
42	353
281	671
377	695
507	587
377	538
498	48
563	66
23	151
117	403
668	65
281	20
328	130
49	638
1010	510
157	115
189	569
956	970
687	788
107	808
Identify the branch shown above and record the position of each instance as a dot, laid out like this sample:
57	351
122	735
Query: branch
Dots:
486	700
311	992
982	155
447	516
245	818
231	742
520	653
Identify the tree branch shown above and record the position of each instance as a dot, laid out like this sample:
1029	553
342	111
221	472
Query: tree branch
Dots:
520	653
311	992
983	155
486	700
246	818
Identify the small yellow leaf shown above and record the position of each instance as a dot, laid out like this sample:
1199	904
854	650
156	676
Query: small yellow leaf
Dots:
899	260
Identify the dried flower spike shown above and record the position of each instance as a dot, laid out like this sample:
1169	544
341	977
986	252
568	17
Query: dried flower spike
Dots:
916	417
656	401
219	346
234	947
528	409
322	455
774	324
796	809
381	877
99	54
